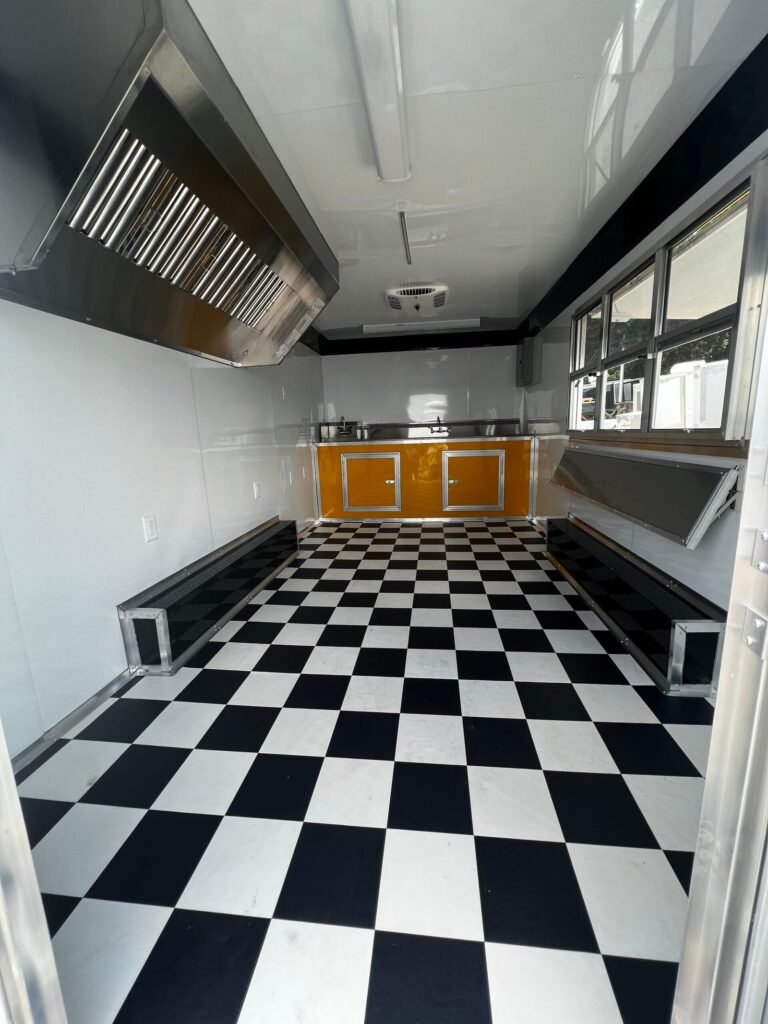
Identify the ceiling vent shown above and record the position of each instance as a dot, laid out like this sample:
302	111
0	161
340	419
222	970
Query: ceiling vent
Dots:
419	297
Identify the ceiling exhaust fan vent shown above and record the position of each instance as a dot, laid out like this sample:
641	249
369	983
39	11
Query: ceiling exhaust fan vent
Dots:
420	297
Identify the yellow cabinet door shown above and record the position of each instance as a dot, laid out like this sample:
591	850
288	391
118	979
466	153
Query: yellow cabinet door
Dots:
370	481
473	481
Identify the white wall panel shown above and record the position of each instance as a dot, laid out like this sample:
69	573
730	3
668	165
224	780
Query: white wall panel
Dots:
401	386
18	699
95	431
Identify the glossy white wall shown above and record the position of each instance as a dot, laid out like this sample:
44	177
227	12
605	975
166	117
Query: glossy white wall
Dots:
455	384
96	430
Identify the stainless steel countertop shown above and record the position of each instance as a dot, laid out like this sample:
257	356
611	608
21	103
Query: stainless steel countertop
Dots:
437	439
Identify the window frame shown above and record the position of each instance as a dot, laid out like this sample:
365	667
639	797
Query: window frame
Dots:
659	340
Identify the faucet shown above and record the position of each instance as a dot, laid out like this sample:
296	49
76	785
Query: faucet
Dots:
437	429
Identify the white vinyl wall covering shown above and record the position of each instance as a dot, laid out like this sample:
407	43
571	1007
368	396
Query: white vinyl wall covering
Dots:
96	430
455	384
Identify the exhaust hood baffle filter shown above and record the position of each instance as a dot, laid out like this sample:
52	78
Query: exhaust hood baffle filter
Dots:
140	210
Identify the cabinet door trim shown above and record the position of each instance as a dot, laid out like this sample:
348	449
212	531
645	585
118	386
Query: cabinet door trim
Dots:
395	456
481	453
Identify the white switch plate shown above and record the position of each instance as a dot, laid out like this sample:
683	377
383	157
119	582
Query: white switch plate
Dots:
149	525
255	492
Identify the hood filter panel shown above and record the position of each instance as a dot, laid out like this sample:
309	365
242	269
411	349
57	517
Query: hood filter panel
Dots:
140	210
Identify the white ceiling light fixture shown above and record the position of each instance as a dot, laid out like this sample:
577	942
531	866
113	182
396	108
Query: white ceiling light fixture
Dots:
376	40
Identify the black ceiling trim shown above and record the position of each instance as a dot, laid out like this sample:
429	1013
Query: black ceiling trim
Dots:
415	342
732	119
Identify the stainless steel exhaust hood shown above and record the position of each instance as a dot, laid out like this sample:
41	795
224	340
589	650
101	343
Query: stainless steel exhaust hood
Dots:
137	191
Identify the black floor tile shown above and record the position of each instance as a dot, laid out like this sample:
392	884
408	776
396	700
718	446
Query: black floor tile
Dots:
391	617
499	743
354	600
137	777
342	636
508	603
551	700
466	586
201	658
313	691
398	587
367	734
277	786
284	658
609	643
431	638
483	665
292	596
157	860
431	600
470	618
592	668
213	686
313	615
123	721
431	697
525	640
677	710
417	979
644	989
41	815
530	896
57	910
431	798
333	877
380	661
596	808
198	971
239	728
644	749
257	632
681	862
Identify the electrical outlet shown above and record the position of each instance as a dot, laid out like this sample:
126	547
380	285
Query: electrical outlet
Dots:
149	525
255	492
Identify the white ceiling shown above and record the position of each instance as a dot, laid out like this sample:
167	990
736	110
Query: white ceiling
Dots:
529	122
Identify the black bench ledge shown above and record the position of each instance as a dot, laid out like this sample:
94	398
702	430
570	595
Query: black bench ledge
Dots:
167	623
674	633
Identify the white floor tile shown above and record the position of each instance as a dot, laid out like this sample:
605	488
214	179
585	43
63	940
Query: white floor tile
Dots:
374	693
614	703
489	698
529	985
547	602
530	576
320	599
435	739
310	974
570	747
429	885
390	637
431	664
71	770
243	868
181	724
631	671
469	639
432	617
470	602
574	641
265	689
635	902
515	620
70	858
366	586
163	687
274	612
352	791
99	951
694	740
590	620
227	631
502	587
512	803
300	634
432	587
333	661
237	657
672	807
350	616
303	731
534	667
390	600
206	783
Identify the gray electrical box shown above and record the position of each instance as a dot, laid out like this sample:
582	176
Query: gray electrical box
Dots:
528	362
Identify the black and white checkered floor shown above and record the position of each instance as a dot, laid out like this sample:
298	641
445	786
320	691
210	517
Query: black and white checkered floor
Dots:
415	781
